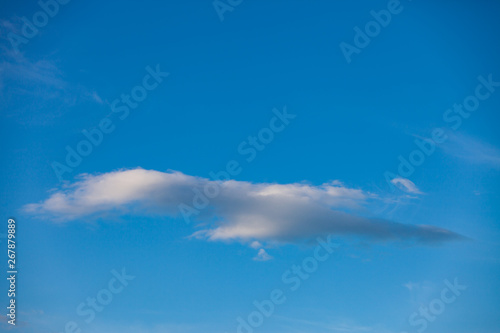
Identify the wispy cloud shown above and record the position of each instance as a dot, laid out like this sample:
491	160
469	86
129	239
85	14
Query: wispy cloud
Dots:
472	150
406	185
243	211
31	87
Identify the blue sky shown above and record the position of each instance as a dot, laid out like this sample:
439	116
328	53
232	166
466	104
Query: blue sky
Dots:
322	171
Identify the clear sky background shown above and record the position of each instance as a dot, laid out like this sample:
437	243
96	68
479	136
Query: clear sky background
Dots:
353	120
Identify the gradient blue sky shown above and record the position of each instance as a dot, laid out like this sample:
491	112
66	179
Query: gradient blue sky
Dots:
225	78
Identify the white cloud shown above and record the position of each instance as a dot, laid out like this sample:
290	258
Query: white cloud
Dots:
406	185
262	256
242	211
255	245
